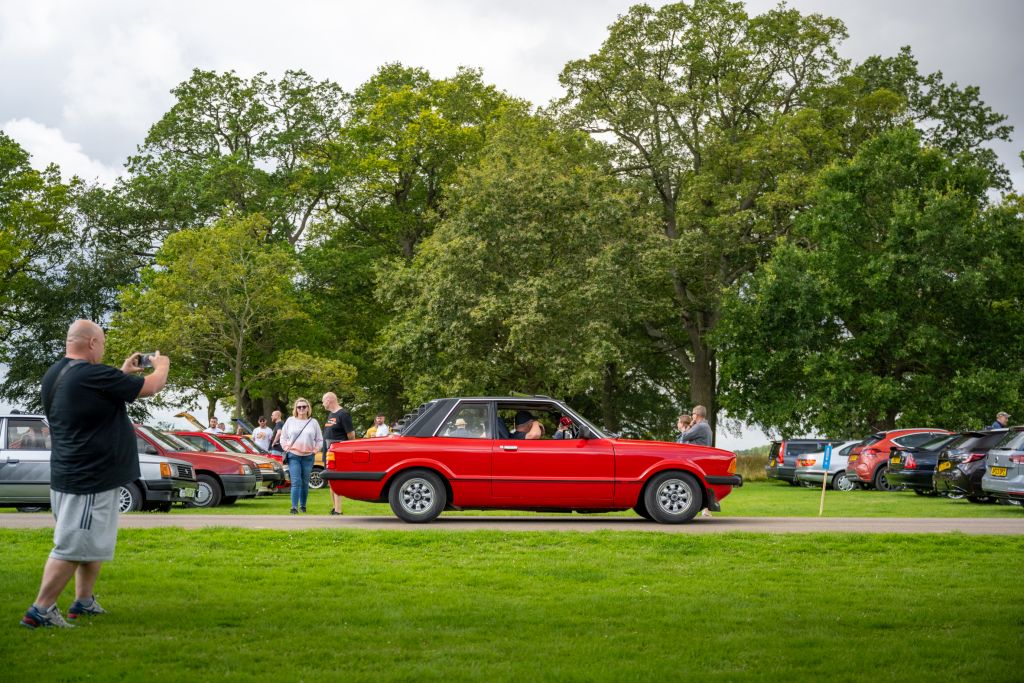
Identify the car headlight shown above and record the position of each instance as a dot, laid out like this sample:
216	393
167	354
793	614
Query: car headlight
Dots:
246	469
266	466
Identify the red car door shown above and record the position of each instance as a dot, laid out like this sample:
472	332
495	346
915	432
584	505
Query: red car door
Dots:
553	473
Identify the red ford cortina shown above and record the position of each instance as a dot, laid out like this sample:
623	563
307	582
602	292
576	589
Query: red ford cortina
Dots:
460	453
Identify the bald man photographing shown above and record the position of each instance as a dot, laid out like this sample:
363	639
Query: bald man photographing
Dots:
94	453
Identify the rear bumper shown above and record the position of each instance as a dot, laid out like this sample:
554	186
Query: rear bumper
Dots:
1012	489
914	479
780	472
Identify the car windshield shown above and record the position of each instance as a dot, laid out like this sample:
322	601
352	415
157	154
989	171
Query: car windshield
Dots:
159	437
943	441
251	445
1012	441
179	443
228	444
873	439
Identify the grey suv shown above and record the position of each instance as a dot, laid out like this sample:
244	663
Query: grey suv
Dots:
1004	468
783	455
25	471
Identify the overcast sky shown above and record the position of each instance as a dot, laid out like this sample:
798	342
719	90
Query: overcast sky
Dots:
83	81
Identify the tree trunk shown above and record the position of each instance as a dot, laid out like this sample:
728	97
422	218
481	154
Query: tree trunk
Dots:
704	383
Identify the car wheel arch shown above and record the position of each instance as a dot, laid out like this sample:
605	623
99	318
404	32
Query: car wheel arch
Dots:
391	476
652	473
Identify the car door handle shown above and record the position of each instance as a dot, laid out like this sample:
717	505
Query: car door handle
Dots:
510	448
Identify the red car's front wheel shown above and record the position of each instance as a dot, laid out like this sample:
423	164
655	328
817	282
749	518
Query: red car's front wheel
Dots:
673	497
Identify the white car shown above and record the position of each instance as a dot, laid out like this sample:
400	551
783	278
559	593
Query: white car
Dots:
25	471
810	470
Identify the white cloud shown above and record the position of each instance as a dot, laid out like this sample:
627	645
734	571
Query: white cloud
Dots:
48	145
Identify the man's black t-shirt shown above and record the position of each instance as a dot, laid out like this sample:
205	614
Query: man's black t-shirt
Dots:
93	442
337	426
278	426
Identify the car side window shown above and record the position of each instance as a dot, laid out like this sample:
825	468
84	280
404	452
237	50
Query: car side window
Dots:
28	435
468	421
914	440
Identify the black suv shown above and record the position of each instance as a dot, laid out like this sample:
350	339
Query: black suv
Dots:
782	457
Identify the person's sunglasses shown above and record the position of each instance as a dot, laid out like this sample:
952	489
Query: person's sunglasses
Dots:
302	407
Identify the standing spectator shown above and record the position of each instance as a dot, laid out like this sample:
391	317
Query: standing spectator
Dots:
93	453
301	439
1002	419
699	432
222	428
338	427
378	428
275	439
682	424
213	428
262	434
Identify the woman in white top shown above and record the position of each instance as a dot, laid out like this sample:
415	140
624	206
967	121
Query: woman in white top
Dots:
301	439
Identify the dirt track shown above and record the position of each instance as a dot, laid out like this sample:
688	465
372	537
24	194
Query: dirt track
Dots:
579	523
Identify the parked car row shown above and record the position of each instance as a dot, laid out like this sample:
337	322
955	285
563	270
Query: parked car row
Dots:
982	466
173	470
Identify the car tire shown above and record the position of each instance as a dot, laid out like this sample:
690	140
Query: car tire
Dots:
981	499
641	510
417	496
163	507
129	498
209	493
840	482
673	497
315	480
32	508
229	500
881	479
793	482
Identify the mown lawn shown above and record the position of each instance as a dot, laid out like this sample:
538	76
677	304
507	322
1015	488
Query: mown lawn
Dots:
237	605
757	499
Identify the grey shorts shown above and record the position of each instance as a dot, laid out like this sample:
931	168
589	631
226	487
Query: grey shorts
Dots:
86	528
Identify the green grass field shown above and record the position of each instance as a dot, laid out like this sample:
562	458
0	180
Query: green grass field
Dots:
757	499
236	605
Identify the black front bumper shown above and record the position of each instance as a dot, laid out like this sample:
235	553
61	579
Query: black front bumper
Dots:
240	485
170	490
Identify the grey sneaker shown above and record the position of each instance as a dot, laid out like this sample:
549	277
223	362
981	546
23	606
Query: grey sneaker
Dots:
85	608
35	617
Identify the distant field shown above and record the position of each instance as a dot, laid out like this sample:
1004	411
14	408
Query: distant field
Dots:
236	605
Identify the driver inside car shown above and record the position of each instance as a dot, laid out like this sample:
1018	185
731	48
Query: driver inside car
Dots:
527	426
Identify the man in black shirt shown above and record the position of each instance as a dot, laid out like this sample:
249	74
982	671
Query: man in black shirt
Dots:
93	454
337	427
275	437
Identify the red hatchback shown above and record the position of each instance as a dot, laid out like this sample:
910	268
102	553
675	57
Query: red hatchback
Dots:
222	478
459	453
868	465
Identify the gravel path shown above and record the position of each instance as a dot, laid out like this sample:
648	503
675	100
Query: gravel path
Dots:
580	523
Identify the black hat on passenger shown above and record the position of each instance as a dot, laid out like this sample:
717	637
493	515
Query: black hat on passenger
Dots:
524	416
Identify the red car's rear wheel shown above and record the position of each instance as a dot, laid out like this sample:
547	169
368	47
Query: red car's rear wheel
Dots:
417	496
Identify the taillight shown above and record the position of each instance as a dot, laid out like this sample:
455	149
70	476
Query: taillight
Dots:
805	462
1018	459
909	463
782	452
974	457
870	451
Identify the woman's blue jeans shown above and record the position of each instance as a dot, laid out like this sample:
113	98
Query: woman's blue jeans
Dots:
299	468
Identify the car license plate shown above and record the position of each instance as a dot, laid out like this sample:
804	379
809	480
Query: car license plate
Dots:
853	458
943	466
771	463
998	471
895	461
186	493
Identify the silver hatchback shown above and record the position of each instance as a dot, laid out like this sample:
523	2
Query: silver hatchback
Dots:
1004	467
809	469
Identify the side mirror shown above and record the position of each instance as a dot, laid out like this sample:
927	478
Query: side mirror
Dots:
151	449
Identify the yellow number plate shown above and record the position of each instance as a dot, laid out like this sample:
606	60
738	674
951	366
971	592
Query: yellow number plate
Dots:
895	460
943	466
998	471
